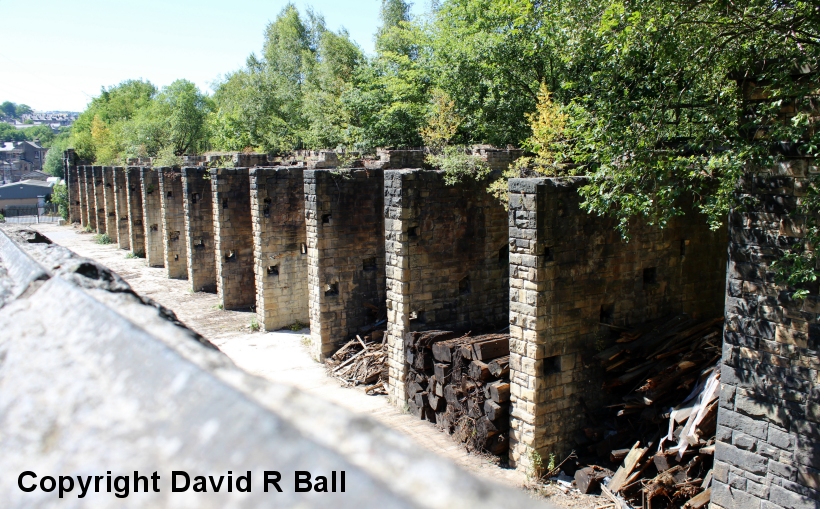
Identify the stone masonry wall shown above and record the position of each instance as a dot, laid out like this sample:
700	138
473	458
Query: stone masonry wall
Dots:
121	206
152	218
110	205
447	260
767	454
173	223
569	273
345	241
234	237
199	229
99	199
280	246
136	227
83	195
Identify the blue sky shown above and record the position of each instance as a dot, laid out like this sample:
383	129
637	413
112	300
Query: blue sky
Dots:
56	54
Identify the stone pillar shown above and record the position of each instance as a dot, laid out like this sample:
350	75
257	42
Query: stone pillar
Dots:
234	237
136	228
173	223
83	196
72	185
110	205
446	261
99	198
152	217
199	229
121	207
345	240
569	272
90	203
280	246
767	453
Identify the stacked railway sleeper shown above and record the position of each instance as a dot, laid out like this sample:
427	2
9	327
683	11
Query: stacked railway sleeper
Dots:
461	383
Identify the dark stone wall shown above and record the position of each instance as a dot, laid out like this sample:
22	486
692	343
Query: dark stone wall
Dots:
234	237
345	240
90	199
152	218
570	272
199	229
447	260
767	453
280	246
173	223
136	227
121	206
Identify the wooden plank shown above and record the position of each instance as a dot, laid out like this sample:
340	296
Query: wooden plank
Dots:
500	391
491	349
700	500
632	459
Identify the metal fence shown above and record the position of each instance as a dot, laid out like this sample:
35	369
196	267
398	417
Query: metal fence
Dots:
47	213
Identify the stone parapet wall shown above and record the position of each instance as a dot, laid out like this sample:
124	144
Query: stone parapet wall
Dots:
99	199
199	229
767	455
345	242
446	260
173	223
136	227
121	207
570	272
280	246
110	205
152	218
234	237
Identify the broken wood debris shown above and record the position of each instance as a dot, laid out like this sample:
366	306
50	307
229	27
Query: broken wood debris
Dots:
361	361
667	376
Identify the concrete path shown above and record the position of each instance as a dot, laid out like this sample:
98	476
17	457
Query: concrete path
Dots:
276	356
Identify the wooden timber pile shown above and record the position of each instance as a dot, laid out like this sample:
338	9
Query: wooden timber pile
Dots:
461	383
661	439
362	362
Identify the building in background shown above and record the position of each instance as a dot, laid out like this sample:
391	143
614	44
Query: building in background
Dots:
28	151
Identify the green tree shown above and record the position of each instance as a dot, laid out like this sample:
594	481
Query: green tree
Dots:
21	109
53	165
8	109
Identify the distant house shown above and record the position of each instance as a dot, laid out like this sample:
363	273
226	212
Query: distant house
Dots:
13	171
29	151
35	175
24	193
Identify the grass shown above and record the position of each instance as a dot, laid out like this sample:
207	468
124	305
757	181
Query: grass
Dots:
88	229
254	325
297	326
306	341
102	238
218	306
2	218
131	256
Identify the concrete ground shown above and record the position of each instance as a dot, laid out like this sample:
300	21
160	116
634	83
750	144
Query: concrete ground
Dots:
277	356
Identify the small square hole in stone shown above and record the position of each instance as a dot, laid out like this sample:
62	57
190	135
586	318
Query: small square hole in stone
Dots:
194	197
417	316
683	244
154	228
137	222
331	289
230	256
224	204
413	232
504	255
464	286
650	276
111	214
173	236
199	243
607	314
326	218
273	270
369	264
303	248
266	209
552	365
170	194
176	258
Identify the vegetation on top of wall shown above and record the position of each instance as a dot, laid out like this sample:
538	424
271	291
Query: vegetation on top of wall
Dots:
644	97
